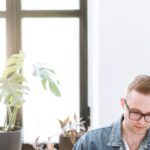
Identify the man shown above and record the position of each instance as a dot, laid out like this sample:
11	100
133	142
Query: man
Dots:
131	131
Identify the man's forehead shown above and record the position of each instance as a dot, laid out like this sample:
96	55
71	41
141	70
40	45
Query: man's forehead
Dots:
139	101
138	95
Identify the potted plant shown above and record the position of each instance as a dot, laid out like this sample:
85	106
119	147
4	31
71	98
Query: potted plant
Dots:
13	87
72	129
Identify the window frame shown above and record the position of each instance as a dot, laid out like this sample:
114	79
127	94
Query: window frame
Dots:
14	14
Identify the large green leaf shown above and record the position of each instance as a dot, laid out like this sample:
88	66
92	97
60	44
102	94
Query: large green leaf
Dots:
48	78
14	64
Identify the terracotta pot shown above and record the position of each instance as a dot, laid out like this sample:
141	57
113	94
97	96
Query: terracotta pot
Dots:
65	143
27	146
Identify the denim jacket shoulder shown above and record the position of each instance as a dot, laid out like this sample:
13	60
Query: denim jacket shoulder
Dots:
107	138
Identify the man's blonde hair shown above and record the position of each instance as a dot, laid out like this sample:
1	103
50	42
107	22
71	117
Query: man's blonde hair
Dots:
140	83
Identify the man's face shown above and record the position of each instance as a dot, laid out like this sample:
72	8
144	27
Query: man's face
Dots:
138	103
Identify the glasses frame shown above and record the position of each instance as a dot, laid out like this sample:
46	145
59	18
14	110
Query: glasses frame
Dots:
140	114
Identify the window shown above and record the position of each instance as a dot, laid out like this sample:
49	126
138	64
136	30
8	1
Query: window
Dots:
50	4
51	53
54	33
2	57
2	5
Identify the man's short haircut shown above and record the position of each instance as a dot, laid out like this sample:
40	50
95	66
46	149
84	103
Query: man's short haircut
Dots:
140	83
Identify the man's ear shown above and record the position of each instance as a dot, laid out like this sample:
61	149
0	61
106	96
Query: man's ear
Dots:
122	102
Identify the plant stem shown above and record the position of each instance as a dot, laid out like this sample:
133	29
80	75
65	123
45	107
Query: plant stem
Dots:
11	118
14	115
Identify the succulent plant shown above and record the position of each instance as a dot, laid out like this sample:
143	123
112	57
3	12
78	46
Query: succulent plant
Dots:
72	128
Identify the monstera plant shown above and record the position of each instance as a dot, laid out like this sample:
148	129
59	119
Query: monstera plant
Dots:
13	87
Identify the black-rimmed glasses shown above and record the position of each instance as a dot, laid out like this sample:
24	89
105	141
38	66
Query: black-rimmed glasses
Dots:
136	115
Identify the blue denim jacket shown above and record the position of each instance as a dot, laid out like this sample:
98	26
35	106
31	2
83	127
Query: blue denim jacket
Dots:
107	138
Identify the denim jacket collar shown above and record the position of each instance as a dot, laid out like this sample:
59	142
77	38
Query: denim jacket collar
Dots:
116	135
146	141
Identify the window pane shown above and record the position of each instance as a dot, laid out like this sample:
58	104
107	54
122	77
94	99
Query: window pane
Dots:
50	4
2	5
54	42
2	61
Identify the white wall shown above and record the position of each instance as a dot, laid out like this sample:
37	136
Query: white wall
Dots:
119	47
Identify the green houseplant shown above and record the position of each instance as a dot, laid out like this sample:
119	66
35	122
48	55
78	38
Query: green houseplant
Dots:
13	87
